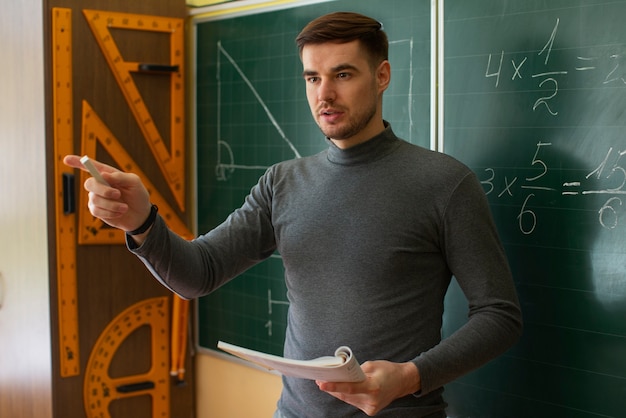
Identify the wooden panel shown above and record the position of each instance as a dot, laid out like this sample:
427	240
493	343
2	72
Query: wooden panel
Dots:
110	280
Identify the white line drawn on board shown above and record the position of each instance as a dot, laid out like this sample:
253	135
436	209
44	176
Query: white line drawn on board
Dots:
226	160
270	303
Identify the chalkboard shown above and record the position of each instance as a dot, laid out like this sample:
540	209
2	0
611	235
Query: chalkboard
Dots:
535	103
251	112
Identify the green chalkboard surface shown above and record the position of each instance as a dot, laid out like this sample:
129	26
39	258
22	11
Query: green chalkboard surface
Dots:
252	112
535	103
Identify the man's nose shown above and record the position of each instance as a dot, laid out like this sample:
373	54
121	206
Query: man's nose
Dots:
326	91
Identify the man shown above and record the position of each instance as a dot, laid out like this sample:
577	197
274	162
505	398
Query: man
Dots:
370	232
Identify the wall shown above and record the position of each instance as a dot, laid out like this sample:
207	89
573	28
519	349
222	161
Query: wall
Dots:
227	389
223	387
25	367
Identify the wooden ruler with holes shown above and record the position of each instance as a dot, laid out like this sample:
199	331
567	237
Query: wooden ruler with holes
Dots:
171	160
100	389
65	215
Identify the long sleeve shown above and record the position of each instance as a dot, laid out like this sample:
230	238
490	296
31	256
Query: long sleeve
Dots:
195	268
477	260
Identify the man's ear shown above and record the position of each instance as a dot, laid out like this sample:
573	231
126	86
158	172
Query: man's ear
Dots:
383	75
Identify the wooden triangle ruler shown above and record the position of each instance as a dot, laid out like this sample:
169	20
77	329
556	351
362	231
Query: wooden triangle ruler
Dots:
171	159
92	230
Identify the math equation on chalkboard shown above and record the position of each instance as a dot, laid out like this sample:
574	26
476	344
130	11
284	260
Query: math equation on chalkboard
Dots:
564	98
607	180
535	104
607	64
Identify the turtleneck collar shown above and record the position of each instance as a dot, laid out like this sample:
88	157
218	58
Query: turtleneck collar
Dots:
368	151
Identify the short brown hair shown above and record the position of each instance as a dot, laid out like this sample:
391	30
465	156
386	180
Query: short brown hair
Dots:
343	27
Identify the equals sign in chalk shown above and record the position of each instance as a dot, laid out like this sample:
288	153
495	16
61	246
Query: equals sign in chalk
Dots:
571	184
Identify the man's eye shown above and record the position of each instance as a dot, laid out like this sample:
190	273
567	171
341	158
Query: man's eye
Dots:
343	75
312	80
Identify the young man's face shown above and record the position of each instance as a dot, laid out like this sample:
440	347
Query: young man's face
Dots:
344	92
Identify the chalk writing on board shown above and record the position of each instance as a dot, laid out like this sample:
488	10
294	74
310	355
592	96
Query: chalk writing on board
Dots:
409	96
612	66
222	168
226	161
607	179
270	303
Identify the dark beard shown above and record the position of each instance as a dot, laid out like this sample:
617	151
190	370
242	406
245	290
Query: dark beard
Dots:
353	129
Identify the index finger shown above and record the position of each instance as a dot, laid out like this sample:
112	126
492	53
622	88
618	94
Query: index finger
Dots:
74	162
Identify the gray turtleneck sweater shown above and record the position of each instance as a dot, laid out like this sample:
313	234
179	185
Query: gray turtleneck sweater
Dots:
370	238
